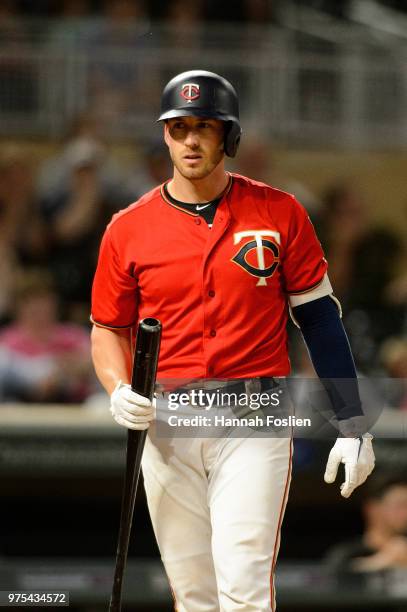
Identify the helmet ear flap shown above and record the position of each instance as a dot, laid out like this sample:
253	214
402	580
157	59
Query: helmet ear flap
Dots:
233	133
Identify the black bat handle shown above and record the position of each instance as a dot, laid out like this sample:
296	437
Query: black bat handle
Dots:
142	382
146	357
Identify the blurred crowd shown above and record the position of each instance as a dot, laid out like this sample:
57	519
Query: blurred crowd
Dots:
209	9
382	545
53	210
98	51
176	10
52	215
106	35
366	268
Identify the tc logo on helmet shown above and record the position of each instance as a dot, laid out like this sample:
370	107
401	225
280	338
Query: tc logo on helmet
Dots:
190	91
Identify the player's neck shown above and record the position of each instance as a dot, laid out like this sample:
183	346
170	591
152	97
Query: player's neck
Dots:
199	190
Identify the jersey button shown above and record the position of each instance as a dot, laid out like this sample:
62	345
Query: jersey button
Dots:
213	333
198	221
211	293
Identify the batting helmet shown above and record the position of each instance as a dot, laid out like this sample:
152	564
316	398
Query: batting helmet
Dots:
198	93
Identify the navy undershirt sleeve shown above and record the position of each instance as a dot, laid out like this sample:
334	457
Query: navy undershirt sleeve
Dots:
330	354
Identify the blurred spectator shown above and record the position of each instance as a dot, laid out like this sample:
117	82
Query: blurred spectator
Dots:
393	355
41	359
76	217
155	168
19	82
22	234
116	47
72	24
383	544
83	140
79	189
20	224
343	224
10	23
363	260
186	25
396	291
256	159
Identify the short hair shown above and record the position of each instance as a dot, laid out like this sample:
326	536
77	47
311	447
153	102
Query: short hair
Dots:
379	484
33	282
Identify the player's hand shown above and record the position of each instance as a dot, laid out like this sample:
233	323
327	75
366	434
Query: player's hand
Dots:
358	457
131	409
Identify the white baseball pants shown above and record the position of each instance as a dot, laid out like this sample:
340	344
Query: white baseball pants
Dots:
216	507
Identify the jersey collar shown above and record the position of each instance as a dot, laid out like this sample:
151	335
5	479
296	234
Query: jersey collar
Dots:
193	213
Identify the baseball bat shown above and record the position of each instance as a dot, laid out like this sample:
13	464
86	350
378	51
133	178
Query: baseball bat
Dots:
142	382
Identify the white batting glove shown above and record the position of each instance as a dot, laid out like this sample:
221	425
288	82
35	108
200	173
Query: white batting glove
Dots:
358	457
131	409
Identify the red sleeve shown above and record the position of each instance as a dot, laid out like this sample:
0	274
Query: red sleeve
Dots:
304	264
114	291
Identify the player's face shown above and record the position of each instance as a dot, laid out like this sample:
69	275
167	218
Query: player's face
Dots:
195	145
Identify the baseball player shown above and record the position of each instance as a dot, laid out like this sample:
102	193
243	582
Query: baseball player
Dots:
219	259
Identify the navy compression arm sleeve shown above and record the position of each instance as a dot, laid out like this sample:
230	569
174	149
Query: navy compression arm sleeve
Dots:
330	354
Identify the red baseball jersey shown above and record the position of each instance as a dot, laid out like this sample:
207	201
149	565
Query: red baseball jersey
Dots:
221	293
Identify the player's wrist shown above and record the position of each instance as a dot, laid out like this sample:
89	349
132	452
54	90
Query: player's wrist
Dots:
353	427
119	384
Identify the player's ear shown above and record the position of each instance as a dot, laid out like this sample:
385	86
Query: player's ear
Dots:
166	133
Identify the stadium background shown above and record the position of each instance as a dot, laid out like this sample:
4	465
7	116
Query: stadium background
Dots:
323	93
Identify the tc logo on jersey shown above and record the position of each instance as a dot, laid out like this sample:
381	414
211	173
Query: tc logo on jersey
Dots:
261	246
190	91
